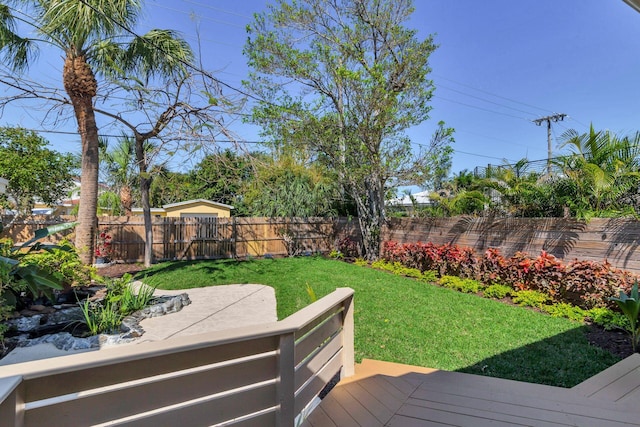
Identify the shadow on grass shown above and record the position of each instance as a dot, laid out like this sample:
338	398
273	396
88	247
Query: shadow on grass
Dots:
218	270
563	360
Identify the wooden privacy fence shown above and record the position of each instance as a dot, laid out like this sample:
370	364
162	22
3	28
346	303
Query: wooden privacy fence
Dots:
615	240
262	375
206	238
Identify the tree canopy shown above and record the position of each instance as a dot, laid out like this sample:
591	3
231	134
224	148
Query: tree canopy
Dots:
35	173
343	81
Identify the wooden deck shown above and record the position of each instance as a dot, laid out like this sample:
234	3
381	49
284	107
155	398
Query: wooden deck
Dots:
388	394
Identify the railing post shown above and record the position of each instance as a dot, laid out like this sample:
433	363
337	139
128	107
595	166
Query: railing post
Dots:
285	415
348	332
12	401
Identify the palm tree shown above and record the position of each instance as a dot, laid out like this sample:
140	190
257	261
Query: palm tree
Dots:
602	167
119	164
93	36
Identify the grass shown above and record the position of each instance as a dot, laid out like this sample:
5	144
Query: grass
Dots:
402	320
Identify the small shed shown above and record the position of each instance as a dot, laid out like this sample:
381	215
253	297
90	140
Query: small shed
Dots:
197	208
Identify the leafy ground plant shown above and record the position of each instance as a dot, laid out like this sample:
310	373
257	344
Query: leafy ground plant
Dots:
403	320
120	300
630	306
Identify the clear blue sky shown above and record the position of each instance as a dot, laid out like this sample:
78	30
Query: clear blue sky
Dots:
500	65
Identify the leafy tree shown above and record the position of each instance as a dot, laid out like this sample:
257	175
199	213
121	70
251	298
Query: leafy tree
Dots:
221	177
286	189
344	80
91	35
34	172
169	187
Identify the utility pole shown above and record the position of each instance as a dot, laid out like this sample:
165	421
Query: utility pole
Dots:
549	119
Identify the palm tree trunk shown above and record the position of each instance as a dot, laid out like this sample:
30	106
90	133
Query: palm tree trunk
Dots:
86	230
126	199
81	86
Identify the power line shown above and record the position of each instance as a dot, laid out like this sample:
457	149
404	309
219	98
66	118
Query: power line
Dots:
484	99
490	93
483	109
217	9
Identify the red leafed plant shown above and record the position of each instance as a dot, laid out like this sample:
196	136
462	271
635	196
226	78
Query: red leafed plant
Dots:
587	284
103	245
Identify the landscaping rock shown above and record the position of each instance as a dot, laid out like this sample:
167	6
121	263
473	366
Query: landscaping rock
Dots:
27	329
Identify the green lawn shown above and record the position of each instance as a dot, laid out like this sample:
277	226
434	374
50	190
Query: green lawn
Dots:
403	320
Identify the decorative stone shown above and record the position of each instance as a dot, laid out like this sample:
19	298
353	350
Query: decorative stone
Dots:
130	328
37	307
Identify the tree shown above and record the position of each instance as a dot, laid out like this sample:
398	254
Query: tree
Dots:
601	169
185	103
90	34
286	189
34	172
119	166
169	187
344	80
220	177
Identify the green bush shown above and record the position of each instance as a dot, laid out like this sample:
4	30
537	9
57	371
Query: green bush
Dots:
429	276
468	286
361	262
335	254
608	318
396	267
566	310
497	291
528	298
63	263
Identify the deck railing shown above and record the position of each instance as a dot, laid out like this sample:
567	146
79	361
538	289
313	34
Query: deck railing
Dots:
258	375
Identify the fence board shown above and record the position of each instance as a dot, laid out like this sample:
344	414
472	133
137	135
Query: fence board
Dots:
616	240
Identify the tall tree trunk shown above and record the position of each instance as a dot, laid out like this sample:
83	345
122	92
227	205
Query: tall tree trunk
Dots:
371	215
145	189
145	185
81	86
126	199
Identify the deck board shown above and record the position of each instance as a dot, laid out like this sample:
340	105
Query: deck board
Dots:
608	378
378	409
389	394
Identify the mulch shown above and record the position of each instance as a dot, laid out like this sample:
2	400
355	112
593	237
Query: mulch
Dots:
117	270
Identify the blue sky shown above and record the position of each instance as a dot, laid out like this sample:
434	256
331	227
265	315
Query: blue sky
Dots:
500	65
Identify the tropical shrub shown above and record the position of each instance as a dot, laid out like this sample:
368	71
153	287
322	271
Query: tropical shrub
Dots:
361	262
492	266
530	298
590	284
497	291
347	247
630	307
544	273
566	310
460	284
399	269
23	277
608	318
586	284
63	263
